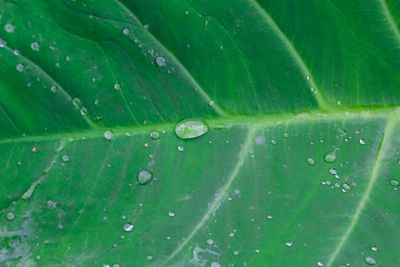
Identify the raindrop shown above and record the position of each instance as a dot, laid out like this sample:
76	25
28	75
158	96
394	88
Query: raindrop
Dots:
191	128
128	227
108	135
289	243
10	216
117	86
269	217
308	77
332	171
236	253
65	158
160	61
210	241
154	135
310	161
53	88
273	141
215	264
370	260
171	214
144	177
9	27
2	43
374	248
394	182
346	187
320	263
35	46
181	148
125	31
211	103
20	67
330	157
146	26
362	141
149	257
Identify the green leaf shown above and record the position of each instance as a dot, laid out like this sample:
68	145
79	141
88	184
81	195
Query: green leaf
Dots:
287	153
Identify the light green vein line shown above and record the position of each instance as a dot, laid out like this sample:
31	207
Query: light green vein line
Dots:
174	59
59	87
390	18
241	158
380	155
293	52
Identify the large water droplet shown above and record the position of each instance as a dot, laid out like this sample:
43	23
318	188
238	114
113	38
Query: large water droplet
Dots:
370	261
191	128
128	227
330	157
394	182
144	177
108	135
160	61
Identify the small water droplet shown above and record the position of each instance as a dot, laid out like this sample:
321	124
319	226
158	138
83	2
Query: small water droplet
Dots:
144	177
330	157
273	141
128	227
117	86
269	217
320	263
362	141
9	27
125	31
215	264
236	253
374	248
332	171
289	243
154	135
10	216
181	148
160	61
65	158
2	43
53	88
191	128
146	26
149	257
394	182
369	260
108	135
20	67
346	187
35	46
308	77
171	214
310	161
210	241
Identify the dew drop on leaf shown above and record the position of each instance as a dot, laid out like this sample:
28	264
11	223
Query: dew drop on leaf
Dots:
20	67
362	141
2	43
346	187
369	260
53	88
144	177
310	161
35	46
65	158
330	157
191	128
235	253
320	263
117	86
289	243
125	31
394	182
210	241
10	216
9	27
181	148
128	227
154	135
160	61
108	135
215	264
374	248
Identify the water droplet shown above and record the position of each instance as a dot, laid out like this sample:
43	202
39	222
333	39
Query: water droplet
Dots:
210	241
191	128
10	216
160	61
215	264
117	86
125	31
65	158
370	260
146	26
20	67
320	263
2	43
154	135
35	46
332	171
394	182
374	248
171	214
211	103
181	148
53	88
236	253
260	140
362	141
311	161
108	135
269	217
308	77
128	227
273	141
144	177
149	257
330	157
289	243
346	187
9	27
